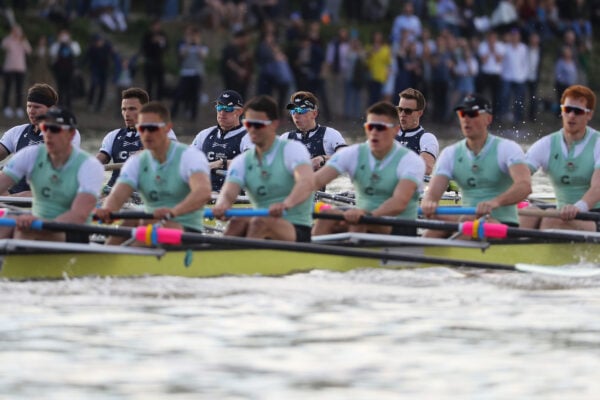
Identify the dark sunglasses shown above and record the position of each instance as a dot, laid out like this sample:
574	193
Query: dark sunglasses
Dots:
574	109
53	128
227	109
255	123
378	126
151	127
406	111
299	110
470	113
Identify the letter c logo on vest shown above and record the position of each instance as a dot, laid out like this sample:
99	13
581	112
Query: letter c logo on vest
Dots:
46	192
471	182
565	179
153	195
369	191
261	191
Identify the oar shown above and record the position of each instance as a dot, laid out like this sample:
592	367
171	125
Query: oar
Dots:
157	235
533	212
112	167
452	210
474	229
335	197
208	213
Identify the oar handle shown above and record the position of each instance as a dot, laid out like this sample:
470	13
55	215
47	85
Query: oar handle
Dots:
453	210
113	167
232	212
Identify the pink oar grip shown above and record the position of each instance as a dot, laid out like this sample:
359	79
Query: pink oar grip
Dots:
490	230
163	235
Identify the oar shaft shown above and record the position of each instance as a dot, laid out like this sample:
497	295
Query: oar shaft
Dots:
112	167
535	212
482	230
177	237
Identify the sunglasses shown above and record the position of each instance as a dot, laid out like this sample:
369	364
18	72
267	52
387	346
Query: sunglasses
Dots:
150	127
53	128
470	113
406	111
378	126
255	123
299	110
227	109
574	109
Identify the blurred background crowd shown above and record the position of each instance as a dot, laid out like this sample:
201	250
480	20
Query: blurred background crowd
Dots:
350	53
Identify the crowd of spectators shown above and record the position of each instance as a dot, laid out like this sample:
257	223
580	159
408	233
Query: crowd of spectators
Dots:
444	48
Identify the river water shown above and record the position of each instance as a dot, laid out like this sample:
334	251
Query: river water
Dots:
435	333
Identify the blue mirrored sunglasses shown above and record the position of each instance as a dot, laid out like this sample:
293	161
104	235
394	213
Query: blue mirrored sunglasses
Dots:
299	110
221	107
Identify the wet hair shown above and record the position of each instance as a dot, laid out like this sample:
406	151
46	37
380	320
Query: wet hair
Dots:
42	93
414	94
263	103
580	92
135	93
155	107
384	108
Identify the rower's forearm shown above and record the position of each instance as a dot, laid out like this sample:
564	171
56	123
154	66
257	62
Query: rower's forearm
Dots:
516	193
391	207
192	202
300	192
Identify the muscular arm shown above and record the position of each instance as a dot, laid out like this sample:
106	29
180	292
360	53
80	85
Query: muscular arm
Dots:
227	196
3	152
80	210
429	162
324	176
400	198
436	188
592	196
198	196
303	188
6	182
117	197
103	157
518	191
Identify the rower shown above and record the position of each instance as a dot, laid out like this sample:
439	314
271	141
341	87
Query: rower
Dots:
490	171
119	144
571	158
40	97
172	178
65	181
276	174
411	134
387	176
321	141
222	142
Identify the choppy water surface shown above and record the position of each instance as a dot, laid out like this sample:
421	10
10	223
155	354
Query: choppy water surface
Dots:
366	334
435	333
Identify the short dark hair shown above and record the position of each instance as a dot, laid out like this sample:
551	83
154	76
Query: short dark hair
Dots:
263	103
414	94
135	93
42	93
155	107
383	108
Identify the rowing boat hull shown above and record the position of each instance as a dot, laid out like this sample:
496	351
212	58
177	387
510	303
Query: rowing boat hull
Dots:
22	260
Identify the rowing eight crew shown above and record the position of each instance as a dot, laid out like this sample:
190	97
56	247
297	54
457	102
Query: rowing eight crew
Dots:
277	174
